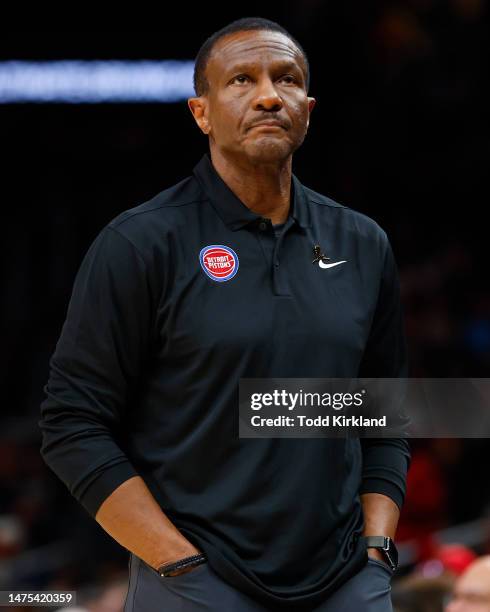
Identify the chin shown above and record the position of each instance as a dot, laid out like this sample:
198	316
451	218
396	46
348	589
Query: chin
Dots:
269	151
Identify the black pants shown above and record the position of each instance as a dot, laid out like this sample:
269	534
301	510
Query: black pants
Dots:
201	589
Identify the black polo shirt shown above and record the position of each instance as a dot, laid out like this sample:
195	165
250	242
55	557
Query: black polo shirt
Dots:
174	302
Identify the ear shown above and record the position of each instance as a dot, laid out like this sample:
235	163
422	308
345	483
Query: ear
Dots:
311	106
199	110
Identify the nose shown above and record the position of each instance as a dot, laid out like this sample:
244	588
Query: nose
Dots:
266	97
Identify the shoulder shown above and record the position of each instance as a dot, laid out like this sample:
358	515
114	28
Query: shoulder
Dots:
147	224
161	207
345	218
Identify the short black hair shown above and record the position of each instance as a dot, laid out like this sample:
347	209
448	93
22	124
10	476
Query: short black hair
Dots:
245	24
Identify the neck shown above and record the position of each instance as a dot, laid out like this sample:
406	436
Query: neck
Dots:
263	188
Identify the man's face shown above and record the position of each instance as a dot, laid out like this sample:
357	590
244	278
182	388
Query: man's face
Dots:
472	589
253	77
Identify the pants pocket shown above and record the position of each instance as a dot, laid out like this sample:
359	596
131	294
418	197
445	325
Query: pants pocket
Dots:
193	573
187	591
382	564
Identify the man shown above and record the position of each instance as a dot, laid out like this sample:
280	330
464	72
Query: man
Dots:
471	591
237	271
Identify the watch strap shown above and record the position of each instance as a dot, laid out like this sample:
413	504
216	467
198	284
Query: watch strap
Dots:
382	542
385	544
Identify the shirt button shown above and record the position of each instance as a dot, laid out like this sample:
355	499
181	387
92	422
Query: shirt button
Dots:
277	264
263	226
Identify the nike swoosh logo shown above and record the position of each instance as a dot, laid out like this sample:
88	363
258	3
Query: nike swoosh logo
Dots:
336	263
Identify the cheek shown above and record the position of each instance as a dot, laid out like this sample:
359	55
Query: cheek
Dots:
300	119
298	110
225	121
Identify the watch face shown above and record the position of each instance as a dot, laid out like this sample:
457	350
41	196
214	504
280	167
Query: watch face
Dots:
392	553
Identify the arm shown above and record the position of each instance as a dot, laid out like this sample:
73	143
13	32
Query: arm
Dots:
102	350
385	461
134	519
381	516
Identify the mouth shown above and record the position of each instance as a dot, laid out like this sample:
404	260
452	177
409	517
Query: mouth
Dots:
269	125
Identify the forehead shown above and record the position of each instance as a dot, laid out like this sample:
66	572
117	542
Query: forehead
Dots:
255	46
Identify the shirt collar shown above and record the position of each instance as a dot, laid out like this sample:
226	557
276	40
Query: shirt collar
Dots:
232	210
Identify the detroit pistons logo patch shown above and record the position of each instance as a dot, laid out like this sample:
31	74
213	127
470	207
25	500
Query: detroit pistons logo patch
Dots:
219	262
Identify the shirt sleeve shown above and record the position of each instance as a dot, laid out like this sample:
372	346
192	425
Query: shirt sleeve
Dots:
386	460
97	360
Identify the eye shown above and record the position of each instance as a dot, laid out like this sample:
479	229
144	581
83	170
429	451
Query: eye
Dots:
289	78
240	78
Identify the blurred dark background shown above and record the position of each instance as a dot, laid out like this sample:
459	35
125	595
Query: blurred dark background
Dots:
400	132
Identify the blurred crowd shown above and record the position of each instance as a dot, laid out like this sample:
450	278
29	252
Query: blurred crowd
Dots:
456	581
412	117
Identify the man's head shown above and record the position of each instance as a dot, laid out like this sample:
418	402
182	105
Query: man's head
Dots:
472	589
252	71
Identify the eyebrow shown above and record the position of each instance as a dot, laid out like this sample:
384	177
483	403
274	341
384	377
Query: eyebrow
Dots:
246	66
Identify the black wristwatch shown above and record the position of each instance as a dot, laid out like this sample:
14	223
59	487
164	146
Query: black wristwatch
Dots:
387	546
166	569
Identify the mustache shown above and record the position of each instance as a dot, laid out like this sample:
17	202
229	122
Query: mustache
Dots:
264	119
